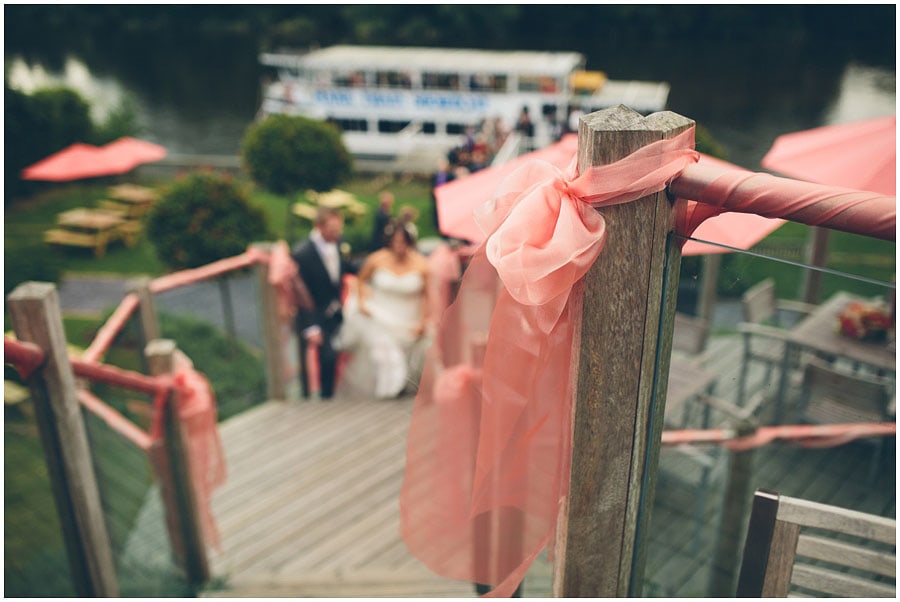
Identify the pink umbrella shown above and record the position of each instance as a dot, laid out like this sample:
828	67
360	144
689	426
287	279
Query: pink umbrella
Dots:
860	155
457	200
79	161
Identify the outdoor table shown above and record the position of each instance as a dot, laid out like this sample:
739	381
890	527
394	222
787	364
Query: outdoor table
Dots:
133	200
85	228
818	332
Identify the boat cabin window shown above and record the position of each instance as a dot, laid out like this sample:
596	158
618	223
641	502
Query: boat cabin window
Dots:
488	83
440	81
350	125
349	79
428	127
388	126
538	83
456	128
393	79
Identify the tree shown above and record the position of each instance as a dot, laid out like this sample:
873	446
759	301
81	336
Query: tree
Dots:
203	218
286	153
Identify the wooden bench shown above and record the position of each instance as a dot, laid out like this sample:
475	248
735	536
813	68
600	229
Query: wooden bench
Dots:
844	553
74	238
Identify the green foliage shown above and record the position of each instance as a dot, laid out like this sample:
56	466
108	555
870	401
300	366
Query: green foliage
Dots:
63	117
37	125
121	121
32	262
202	218
287	153
706	144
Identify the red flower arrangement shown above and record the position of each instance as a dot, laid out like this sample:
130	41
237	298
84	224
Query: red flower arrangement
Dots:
865	321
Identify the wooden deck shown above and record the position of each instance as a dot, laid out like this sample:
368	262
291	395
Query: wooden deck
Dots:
310	505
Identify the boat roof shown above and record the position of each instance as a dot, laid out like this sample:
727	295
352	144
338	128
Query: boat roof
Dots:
349	57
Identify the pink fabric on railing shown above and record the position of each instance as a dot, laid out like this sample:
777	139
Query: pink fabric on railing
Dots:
488	446
719	190
197	411
285	277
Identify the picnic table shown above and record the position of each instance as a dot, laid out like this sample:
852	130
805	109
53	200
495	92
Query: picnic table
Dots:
130	200
83	227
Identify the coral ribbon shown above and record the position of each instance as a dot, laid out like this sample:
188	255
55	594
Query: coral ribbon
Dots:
488	449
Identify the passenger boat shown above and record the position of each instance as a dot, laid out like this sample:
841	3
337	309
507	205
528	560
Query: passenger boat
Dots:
391	102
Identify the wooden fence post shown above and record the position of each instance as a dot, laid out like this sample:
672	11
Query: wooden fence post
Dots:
617	424
35	312
147	315
726	560
816	255
172	463
276	385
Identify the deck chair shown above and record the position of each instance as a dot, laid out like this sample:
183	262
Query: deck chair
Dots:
690	335
797	547
763	332
832	396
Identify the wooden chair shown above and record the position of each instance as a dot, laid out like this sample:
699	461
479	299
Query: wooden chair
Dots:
763	331
690	335
797	547
832	396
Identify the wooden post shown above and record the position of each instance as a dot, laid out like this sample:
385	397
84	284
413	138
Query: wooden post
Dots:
726	561
34	309
146	310
172	462
224	283
276	386
816	255
709	281
616	431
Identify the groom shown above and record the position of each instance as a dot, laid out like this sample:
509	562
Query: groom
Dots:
322	269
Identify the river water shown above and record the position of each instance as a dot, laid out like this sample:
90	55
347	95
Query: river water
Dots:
198	97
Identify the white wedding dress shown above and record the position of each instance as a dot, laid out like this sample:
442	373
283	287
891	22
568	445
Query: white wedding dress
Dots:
386	355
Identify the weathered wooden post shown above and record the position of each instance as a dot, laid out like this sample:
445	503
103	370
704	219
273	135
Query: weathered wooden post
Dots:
726	561
172	462
620	395
816	255
147	316
276	385
34	309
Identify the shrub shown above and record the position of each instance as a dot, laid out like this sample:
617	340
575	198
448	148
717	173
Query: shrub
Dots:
63	117
202	218
32	262
285	153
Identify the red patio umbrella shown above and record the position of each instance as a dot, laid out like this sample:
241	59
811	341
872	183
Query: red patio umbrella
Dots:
79	161
860	155
457	200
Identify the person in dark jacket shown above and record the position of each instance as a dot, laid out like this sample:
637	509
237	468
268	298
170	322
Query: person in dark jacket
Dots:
322	269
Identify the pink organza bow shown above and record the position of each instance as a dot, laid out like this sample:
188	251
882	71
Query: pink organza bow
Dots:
488	448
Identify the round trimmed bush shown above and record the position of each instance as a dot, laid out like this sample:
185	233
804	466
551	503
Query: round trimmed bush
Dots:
202	218
287	153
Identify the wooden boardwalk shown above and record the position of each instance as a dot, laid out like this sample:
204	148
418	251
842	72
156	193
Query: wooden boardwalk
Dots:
310	506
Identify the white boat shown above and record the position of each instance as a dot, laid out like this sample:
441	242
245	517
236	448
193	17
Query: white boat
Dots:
396	102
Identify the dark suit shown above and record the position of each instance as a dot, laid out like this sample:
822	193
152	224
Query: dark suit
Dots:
326	314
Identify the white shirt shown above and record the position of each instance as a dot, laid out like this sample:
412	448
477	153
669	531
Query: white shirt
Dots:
329	253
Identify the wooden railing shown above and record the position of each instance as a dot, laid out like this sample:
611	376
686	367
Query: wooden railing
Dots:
40	354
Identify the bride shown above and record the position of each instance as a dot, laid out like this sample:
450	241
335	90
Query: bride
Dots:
385	320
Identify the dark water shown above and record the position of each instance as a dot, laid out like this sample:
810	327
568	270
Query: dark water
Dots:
198	94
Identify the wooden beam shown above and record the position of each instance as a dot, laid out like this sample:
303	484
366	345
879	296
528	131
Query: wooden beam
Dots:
276	387
615	422
35	312
171	460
